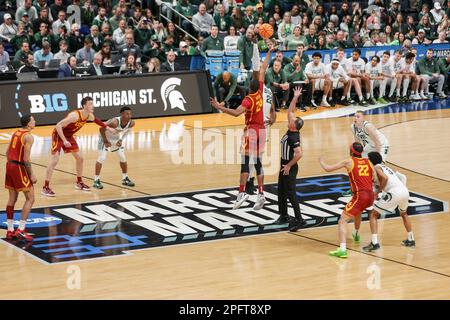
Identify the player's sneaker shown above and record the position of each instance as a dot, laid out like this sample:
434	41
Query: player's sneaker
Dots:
10	235
442	95
82	186
371	101
339	253
314	105
416	97
381	100
347	193
325	103
371	247
260	200
23	235
241	198
97	184
128	182
356	237
392	99
250	186
345	102
363	103
424	96
409	243
46	191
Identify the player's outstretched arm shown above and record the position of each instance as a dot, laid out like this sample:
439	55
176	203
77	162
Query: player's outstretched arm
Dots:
347	163
265	64
233	112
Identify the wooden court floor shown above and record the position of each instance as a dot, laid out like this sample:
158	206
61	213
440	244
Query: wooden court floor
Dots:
276	266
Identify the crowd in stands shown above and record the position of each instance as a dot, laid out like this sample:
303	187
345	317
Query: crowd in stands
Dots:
150	35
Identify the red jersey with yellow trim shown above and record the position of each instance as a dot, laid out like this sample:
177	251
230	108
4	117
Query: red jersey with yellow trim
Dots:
254	111
361	175
74	127
16	146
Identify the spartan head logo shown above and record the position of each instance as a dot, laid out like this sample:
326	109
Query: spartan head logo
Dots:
169	92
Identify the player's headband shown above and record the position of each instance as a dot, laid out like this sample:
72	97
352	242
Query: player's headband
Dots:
357	153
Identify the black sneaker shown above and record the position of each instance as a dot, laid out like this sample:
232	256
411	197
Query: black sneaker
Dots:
313	104
282	220
401	100
345	102
392	99
302	109
371	247
409	243
363	103
298	225
371	101
127	182
250	186
332	102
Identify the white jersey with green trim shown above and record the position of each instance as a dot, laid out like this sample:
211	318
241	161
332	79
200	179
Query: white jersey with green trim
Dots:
267	104
363	135
113	138
394	183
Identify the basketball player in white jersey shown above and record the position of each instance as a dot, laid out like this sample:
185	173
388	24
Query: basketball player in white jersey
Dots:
109	142
355	69
375	74
339	79
389	76
397	63
315	71
369	136
270	115
394	194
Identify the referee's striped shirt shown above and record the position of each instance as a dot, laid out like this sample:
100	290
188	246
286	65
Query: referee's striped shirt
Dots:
289	142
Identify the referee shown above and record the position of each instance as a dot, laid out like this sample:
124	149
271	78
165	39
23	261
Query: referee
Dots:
291	152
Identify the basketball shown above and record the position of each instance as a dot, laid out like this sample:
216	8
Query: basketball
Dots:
266	30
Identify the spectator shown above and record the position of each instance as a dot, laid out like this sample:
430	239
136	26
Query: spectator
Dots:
28	66
237	20
159	30
106	34
340	40
322	44
426	25
86	54
4	58
186	9
296	18
56	7
26	8
74	12
231	40
304	59
437	12
8	29
345	11
116	18
27	24
44	54
285	28
311	37
43	36
213	42
170	65
43	18
96	38
60	22
21	36
21	56
153	66
130	47
166	8
294	39
444	68
441	38
106	54
190	49
75	39
355	41
277	81
410	24
87	13
399	25
202	21
62	54
100	19
249	17
143	32
245	46
294	71
222	21
315	71
69	68
96	68
171	30
346	23
118	36
420	39
152	49
279	56
225	86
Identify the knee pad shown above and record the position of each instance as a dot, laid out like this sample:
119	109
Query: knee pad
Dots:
121	155
245	167
102	156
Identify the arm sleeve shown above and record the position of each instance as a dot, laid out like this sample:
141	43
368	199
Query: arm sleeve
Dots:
255	58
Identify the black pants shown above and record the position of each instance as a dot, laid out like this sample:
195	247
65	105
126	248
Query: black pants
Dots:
280	96
286	190
223	92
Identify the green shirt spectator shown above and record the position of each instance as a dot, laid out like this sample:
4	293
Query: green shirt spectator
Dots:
245	46
294	71
230	85
213	42
272	77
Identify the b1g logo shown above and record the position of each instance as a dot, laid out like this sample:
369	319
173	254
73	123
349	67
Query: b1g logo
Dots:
48	102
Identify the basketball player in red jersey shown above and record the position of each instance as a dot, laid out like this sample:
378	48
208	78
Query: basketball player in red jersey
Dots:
361	176
20	177
254	138
63	138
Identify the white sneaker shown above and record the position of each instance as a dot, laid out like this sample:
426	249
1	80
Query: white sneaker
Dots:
416	97
423	96
442	95
260	200
241	198
325	103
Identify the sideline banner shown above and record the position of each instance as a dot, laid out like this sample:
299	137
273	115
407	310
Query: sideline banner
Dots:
154	95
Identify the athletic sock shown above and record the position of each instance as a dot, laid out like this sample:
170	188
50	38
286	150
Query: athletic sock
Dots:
368	95
343	98
405	86
96	178
10	217
79	179
398	92
261	188
22	224
343	247
410	236
46	183
375	239
124	176
360	98
241	188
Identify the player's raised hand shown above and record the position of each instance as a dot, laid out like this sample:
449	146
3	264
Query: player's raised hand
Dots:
297	91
